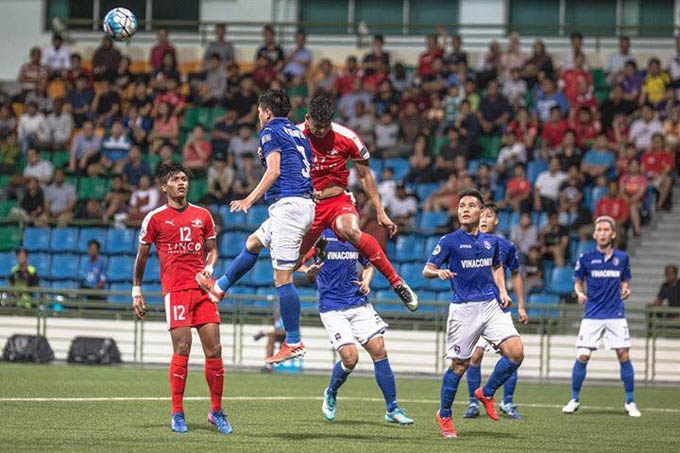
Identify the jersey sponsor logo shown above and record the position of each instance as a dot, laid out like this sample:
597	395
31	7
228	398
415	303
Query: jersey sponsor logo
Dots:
437	250
343	255
197	223
183	248
605	273
475	264
266	138
487	245
337	336
297	133
465	246
596	262
333	152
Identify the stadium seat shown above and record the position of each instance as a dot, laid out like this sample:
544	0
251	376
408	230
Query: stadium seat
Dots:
91	188
387	301
60	158
198	189
64	240
88	234
429	296
503	222
240	291
379	282
410	248
377	167
437	284
425	190
6	206
149	298
232	219
433	220
7	261
231	244
64	266
41	262
401	167
308	292
534	168
36	239
544	299
262	274
267	292
120	268
153	269
122	298
561	281
540	219
119	240
431	243
413	274
257	215
491	146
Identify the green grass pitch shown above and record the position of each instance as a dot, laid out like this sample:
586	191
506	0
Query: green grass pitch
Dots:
283	413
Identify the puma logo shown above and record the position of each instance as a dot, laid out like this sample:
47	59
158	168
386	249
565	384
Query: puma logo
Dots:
178	375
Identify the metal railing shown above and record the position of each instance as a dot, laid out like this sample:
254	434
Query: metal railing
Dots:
653	325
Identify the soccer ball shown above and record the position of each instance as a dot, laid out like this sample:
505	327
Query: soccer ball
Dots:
120	24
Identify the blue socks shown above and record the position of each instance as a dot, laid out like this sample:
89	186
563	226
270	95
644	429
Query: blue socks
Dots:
509	388
289	301
237	269
338	377
448	393
474	380
504	369
385	379
578	375
628	378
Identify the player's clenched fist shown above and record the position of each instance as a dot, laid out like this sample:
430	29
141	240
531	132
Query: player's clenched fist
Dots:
364	287
445	274
139	306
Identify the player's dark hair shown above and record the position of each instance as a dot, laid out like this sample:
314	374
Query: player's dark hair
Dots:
492	207
277	101
472	192
321	108
166	170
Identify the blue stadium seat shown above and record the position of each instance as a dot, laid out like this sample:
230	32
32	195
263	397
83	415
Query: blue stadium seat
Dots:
123	298
120	240
387	301
262	274
64	266
240	290
413	274
473	166
41	262
583	247
439	285
36	239
88	234
514	219
7	261
221	267
431	243
401	167
410	248
257	215
231	219
266	292
433	219
308	292
429	296
231	244
153	269
120	268
147	289
534	168
64	240
561	281
545	299
379	281
65	284
540	219
504	222
499	192
425	190
377	167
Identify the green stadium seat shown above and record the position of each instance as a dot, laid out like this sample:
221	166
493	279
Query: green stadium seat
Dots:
4	181
152	160
92	188
491	146
10	238
599	79
6	206
190	118
198	188
60	159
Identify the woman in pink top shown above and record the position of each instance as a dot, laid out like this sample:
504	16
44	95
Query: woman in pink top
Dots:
634	188
196	151
165	127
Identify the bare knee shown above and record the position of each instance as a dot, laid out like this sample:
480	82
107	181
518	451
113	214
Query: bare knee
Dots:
583	358
459	366
349	357
623	355
253	244
513	349
349	233
282	277
182	347
213	351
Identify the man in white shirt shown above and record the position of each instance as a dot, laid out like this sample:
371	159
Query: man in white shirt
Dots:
60	199
403	207
59	125
642	129
32	129
57	57
618	60
37	168
674	68
576	47
547	187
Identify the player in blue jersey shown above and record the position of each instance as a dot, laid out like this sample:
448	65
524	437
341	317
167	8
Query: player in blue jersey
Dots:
509	261
471	262
348	316
286	186
606	274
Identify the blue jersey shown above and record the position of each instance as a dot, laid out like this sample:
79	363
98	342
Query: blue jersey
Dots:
282	136
336	290
603	279
94	273
472	258
509	259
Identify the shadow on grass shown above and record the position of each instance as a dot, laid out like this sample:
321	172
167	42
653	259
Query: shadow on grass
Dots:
326	435
488	435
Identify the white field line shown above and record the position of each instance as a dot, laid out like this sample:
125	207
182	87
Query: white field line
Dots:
290	398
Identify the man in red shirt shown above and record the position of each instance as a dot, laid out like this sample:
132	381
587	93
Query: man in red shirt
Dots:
613	205
333	145
184	236
432	51
161	48
658	164
569	79
585	127
554	130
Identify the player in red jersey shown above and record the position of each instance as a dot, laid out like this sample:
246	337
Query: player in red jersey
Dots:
333	146
184	236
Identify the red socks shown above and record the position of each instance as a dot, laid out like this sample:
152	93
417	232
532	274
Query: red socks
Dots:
178	379
369	247
214	376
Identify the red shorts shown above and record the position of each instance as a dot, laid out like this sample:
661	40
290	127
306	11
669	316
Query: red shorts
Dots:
329	209
189	308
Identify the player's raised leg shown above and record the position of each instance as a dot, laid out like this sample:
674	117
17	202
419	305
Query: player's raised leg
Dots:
473	376
385	379
181	346
214	374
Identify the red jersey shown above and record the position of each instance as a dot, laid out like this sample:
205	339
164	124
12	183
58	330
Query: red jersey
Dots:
654	162
331	153
616	208
179	237
553	133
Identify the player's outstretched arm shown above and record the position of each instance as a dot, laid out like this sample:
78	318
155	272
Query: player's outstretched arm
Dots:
518	287
138	304
430	272
270	176
367	182
499	279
